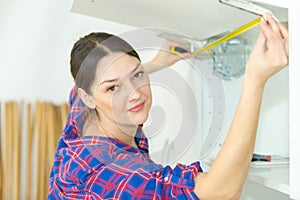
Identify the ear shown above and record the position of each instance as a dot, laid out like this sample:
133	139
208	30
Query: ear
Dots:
87	99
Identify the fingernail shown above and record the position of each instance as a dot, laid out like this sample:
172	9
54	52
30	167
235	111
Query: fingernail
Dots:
263	20
269	15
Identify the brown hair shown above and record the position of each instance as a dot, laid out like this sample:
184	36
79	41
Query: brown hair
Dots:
89	50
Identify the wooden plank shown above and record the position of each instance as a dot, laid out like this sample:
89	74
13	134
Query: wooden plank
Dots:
28	190
43	157
18	116
37	131
51	124
51	131
1	167
14	149
8	151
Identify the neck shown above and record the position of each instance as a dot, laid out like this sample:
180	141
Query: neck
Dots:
124	133
106	128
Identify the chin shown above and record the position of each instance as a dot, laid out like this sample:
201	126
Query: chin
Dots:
139	118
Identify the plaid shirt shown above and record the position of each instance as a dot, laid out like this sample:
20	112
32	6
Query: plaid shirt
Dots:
95	167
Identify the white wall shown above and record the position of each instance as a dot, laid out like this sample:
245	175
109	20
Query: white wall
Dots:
36	38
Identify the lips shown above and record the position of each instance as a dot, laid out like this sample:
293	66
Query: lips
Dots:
137	108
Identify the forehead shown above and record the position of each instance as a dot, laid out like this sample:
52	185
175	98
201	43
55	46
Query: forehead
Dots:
116	66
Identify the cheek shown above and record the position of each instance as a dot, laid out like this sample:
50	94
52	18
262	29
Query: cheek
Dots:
110	107
146	91
104	107
103	102
118	103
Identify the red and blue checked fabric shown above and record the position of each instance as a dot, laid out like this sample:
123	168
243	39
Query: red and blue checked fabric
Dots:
95	167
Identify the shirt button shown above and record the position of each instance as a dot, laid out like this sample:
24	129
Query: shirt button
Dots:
166	179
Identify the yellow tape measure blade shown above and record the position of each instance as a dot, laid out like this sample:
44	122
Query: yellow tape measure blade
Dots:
229	36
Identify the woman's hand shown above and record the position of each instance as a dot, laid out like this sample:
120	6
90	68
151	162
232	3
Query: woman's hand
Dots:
270	52
165	57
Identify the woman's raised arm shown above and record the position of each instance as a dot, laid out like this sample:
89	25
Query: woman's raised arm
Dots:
228	172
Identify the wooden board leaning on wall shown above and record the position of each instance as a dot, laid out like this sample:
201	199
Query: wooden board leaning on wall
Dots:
29	135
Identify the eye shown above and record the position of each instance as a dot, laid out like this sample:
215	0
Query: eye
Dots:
138	74
113	88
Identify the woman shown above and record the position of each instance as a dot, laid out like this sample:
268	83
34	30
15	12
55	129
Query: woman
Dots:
103	153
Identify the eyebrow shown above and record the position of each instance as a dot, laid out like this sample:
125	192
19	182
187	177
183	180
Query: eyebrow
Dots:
115	80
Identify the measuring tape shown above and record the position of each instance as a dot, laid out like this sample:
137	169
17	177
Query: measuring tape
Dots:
240	30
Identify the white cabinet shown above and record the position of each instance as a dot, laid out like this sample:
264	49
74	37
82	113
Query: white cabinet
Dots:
294	90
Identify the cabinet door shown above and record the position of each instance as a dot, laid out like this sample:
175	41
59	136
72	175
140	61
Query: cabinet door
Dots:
294	90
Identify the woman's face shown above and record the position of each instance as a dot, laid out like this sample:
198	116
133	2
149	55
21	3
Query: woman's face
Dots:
122	91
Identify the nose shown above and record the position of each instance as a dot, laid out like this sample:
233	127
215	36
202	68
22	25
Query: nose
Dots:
134	93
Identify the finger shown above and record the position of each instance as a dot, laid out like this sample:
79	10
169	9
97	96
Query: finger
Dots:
273	24
187	55
268	32
284	31
169	44
285	36
261	40
264	26
166	45
260	43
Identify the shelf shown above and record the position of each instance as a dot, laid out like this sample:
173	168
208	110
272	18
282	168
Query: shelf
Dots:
274	177
164	14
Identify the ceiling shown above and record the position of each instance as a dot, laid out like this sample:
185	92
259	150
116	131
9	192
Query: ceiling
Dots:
197	19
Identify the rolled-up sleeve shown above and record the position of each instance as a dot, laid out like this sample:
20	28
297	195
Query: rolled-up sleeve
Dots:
164	183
